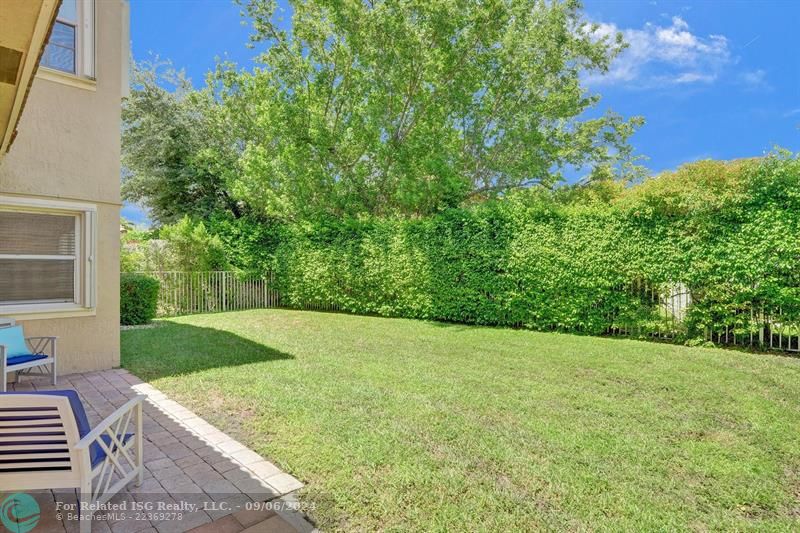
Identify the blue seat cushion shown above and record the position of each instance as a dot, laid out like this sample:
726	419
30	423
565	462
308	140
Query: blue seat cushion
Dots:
14	341
96	452
26	358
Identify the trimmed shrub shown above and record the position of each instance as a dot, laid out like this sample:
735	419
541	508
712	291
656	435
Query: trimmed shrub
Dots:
138	298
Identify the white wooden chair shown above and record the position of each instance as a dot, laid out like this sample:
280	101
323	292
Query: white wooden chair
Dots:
46	443
22	354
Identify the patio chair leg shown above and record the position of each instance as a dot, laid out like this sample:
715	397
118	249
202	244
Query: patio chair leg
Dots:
85	515
139	449
53	365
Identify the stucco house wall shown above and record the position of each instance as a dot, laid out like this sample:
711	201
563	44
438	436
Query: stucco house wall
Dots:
68	148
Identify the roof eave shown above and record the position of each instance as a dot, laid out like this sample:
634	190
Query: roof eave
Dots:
39	34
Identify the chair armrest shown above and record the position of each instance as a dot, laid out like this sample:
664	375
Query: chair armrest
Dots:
38	344
106	424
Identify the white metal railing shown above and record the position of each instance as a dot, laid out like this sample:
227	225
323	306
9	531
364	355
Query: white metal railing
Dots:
750	325
184	293
638	308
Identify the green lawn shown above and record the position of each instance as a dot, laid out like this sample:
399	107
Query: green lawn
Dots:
403	424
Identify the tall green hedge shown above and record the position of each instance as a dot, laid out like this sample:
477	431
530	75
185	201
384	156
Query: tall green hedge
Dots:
138	298
590	259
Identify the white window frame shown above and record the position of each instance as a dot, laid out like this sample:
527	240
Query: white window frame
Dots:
84	45
85	286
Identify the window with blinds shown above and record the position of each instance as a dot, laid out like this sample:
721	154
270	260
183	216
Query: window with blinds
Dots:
71	44
39	258
60	51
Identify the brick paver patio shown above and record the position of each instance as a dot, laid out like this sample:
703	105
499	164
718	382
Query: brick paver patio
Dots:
213	482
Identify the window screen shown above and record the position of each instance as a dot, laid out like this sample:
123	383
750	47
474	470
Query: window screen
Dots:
37	258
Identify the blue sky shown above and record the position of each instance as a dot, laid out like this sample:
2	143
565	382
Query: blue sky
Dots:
713	79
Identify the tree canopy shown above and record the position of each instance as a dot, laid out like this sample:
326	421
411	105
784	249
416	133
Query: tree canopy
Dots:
176	157
380	108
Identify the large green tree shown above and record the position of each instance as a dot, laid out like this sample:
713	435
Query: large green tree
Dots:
409	106
177	155
360	107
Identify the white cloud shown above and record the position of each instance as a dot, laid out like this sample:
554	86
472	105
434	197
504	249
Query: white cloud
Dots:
694	77
677	34
755	80
659	55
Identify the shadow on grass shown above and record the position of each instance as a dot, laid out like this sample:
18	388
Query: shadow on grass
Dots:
172	349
